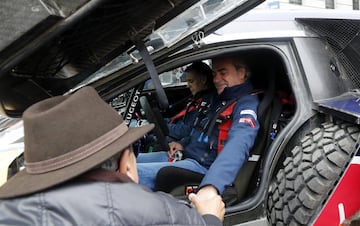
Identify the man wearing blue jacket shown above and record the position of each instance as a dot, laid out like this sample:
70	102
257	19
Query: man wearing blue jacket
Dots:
200	148
199	81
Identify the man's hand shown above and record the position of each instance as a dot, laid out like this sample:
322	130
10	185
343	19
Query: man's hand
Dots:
174	146
213	205
207	192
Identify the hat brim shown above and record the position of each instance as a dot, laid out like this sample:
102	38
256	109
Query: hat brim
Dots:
24	183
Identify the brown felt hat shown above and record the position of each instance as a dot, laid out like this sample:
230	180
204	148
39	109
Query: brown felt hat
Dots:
65	136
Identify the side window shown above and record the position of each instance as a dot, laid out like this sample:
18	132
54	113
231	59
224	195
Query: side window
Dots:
175	77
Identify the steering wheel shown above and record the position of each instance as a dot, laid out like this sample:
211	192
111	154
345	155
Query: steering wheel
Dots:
161	130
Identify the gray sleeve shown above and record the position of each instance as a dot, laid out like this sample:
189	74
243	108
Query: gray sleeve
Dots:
136	205
212	220
188	214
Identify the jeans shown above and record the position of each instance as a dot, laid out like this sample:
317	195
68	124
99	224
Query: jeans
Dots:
148	165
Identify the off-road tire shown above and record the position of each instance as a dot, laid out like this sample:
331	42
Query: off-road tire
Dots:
306	179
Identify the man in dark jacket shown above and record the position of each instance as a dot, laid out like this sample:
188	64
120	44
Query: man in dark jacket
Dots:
199	80
201	148
80	169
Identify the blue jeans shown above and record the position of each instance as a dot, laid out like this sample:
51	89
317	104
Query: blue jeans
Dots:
148	165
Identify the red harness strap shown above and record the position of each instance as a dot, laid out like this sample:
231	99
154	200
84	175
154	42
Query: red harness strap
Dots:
192	106
178	116
224	125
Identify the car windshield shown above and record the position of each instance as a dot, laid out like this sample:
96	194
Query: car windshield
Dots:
170	33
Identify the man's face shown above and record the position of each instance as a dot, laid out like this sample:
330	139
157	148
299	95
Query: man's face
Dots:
127	165
226	75
133	170
194	82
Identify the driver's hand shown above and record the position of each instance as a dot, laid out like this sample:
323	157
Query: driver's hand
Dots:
174	146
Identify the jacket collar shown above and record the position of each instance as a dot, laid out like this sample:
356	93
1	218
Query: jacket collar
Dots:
105	176
206	92
233	92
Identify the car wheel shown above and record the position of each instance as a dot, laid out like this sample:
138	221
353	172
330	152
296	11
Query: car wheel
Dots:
307	177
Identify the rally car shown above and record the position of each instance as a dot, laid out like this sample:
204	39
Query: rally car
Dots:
302	169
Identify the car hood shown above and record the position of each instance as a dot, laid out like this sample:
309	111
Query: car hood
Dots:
48	47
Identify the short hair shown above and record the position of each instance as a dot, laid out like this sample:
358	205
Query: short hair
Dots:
202	70
238	63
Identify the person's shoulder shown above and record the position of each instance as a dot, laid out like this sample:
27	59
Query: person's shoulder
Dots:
250	99
140	192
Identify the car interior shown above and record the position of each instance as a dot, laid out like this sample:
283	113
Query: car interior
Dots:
268	75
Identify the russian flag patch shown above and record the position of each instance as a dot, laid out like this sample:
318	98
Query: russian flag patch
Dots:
249	121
